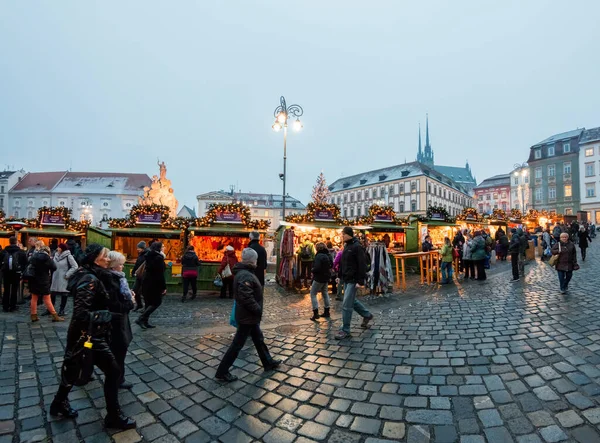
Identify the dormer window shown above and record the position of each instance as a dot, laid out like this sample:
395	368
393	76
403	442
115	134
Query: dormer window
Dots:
566	147
405	173
382	177
346	185
363	181
78	184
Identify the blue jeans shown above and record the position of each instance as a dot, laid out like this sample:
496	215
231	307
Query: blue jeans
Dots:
447	272
564	277
349	305
315	289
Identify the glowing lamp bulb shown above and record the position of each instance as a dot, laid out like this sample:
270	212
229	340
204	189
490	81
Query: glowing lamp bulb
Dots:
276	127
281	118
297	125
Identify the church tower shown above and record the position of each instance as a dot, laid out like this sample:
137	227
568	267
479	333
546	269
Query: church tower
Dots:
426	156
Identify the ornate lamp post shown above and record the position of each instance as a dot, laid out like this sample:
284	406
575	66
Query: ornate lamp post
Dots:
521	171
282	114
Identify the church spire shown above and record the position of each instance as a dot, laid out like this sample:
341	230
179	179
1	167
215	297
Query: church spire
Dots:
420	154
427	131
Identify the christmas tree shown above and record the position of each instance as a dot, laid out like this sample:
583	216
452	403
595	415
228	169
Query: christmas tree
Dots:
320	192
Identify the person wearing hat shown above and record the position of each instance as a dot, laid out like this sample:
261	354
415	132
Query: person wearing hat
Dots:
261	264
513	250
40	283
137	286
228	261
354	271
90	295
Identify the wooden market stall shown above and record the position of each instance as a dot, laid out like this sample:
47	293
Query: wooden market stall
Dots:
224	225
54	224
5	234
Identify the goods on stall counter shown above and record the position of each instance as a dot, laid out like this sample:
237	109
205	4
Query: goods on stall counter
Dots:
380	276
288	258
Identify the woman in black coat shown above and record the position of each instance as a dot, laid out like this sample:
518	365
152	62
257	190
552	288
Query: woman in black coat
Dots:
584	237
154	285
39	284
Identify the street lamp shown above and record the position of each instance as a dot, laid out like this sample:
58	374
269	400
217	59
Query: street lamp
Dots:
522	169
282	114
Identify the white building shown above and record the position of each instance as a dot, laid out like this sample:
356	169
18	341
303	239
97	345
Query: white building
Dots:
519	189
7	180
262	206
94	196
589	173
410	188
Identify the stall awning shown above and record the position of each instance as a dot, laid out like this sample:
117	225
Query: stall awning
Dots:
51	232
6	233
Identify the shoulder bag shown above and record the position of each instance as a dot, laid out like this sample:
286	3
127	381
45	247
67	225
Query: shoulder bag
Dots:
139	272
554	259
226	272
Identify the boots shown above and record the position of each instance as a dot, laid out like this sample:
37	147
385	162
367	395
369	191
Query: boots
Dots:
63	408
326	313
316	315
56	318
34	318
118	420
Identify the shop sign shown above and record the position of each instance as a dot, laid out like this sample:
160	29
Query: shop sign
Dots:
437	216
324	215
383	217
471	218
153	218
52	220
228	217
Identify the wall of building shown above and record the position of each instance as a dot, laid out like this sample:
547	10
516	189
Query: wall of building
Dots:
493	197
519	190
5	185
589	180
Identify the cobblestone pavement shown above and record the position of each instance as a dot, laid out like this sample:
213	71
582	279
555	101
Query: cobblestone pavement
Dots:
470	363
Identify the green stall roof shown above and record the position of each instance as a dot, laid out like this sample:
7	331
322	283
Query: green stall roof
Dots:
51	232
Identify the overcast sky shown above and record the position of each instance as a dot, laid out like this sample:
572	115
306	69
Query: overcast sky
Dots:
113	85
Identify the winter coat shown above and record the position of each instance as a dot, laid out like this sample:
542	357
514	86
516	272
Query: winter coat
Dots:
459	240
503	241
18	254
322	267
499	233
189	261
515	244
261	263
338	260
467	254
446	253
523	244
229	258
567	257
154	283
354	262
556	232
65	268
478	248
427	246
141	259
584	236
248	295
43	266
310	250
120	305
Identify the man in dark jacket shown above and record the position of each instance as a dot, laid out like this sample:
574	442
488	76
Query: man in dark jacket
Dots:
321	272
354	271
261	263
523	245
513	249
137	286
14	262
457	243
248	294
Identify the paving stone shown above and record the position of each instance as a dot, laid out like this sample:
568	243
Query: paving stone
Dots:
531	438
365	425
277	435
445	434
579	401
235	435
252	426
593	415
129	436
394	430
472	439
544	393
314	430
520	426
339	436
418	434
553	434
585	434
499	435
289	422
569	419
214	426
429	417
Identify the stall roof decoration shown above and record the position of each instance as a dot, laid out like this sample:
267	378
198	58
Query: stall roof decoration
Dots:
438	210
534	215
65	213
312	208
211	216
515	214
136	210
469	214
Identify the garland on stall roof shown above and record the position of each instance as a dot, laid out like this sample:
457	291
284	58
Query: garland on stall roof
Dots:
498	215
2	216
470	214
515	214
214	209
66	213
439	210
137	210
311	209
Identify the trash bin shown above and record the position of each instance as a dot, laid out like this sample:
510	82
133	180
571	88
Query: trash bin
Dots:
530	252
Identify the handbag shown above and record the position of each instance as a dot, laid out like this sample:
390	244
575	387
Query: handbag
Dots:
78	364
190	273
455	253
218	282
226	272
554	259
139	272
29	272
232	321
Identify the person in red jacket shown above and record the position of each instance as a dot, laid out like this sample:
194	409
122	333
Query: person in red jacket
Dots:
229	258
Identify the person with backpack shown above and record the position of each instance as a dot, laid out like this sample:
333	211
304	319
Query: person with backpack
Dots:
321	272
261	264
154	284
65	268
447	259
457	243
306	254
468	264
566	262
42	267
14	261
502	248
336	268
523	246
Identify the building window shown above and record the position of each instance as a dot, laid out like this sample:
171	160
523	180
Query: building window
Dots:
29	214
568	211
2	189
552	193
526	178
590	189
566	148
266	213
402	188
495	196
16	214
504	195
413	186
538	194
568	191
538	173
589	170
588	153
514	194
551	170
401	206
566	167
413	206
480	197
488	197
537	153
351	212
550	151
516	180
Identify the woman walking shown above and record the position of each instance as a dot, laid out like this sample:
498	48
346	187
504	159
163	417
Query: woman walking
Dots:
584	238
567	261
321	272
90	296
39	285
468	264
228	261
189	272
478	255
65	268
447	259
154	285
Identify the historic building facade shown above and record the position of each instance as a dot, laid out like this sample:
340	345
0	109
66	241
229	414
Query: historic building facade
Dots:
7	180
493	193
589	177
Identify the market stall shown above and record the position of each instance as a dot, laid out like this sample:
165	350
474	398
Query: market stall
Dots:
224	225
438	224
54	224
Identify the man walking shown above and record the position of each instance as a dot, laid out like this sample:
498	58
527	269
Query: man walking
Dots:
14	261
514	251
353	270
261	263
523	245
248	294
137	286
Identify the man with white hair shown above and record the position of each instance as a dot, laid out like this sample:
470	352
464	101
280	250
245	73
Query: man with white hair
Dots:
248	294
261	263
